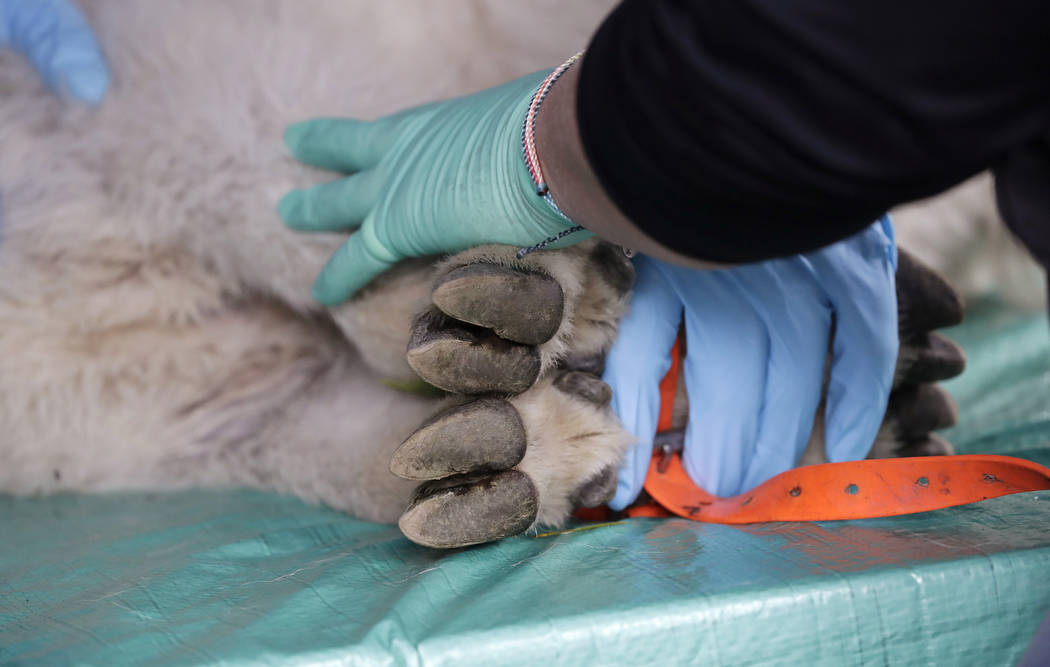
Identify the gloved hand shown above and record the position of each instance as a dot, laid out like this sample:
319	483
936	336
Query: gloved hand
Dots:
756	345
57	40
439	178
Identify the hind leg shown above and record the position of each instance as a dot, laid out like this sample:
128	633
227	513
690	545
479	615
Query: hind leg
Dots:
526	337
542	440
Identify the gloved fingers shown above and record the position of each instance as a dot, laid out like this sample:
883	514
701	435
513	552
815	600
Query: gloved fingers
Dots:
339	144
56	38
354	265
334	206
638	360
864	297
725	374
630	479
798	330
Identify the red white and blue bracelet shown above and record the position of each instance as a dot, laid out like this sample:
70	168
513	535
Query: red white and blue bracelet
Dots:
532	161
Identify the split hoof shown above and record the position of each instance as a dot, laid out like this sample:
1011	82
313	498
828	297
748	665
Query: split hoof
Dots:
471	509
596	491
465	359
930	358
916	411
613	266
519	306
925	300
484	435
589	387
931	445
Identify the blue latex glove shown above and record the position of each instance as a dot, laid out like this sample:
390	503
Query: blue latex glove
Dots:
756	345
54	36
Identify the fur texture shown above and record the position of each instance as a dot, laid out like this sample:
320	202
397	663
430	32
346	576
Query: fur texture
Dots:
156	326
158	330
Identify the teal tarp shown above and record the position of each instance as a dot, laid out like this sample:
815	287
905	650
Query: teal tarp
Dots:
245	577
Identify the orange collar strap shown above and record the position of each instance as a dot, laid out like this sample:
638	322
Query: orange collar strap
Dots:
849	490
831	491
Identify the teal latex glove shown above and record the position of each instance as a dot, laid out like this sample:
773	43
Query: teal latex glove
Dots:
756	343
436	179
54	36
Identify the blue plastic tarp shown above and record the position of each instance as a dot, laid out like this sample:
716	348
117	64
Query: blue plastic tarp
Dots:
253	578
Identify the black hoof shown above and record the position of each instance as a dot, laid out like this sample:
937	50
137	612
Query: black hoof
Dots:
589	387
925	300
930	358
472	509
516	305
613	266
596	491
484	435
915	411
465	359
931	445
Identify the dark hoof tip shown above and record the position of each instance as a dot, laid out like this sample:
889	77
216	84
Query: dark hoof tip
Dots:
483	435
614	266
589	387
464	359
925	300
934	357
931	445
596	491
517	305
471	509
588	363
918	410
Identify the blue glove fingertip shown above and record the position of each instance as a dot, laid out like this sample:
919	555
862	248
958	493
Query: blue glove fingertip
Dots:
638	360
631	477
864	297
886	222
87	83
56	38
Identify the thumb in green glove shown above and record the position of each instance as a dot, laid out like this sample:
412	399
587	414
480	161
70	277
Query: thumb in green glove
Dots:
431	180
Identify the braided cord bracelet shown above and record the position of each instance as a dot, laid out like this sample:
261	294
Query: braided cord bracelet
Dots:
532	161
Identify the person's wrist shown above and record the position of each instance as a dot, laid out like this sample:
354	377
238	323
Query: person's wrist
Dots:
532	178
574	184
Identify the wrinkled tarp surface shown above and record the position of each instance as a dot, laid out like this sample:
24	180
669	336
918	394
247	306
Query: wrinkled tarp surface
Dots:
252	578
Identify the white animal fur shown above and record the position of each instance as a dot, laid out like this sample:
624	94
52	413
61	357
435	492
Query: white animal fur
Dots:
156	328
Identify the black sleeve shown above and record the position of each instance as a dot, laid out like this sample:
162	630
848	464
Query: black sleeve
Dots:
1022	191
739	130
